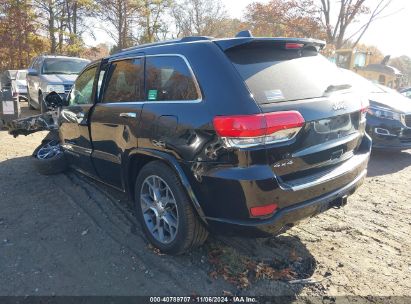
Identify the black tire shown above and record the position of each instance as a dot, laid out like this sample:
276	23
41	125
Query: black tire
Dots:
49	166
191	231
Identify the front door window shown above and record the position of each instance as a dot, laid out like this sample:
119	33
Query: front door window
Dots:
82	90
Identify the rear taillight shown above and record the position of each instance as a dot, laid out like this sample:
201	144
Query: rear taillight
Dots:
252	130
263	210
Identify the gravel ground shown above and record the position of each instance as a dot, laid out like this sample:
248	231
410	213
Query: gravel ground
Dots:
66	235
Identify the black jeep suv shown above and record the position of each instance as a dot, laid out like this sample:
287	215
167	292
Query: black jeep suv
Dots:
241	135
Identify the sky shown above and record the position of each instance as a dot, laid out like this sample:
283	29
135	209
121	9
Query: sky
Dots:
391	34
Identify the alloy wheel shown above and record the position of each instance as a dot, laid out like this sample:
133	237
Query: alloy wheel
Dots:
159	209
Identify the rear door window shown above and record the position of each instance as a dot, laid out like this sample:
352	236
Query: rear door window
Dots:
275	74
125	81
168	78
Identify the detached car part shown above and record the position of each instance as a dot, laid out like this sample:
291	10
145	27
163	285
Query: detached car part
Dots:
48	158
47	121
25	126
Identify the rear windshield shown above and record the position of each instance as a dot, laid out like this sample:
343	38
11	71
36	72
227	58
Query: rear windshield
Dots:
275	74
63	66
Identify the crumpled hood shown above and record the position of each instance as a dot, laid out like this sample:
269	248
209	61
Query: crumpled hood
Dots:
59	78
393	101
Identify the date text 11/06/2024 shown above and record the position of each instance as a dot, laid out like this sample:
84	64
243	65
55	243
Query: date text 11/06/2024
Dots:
204	299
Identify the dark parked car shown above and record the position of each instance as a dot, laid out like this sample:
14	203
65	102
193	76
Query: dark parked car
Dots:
49	73
388	117
242	136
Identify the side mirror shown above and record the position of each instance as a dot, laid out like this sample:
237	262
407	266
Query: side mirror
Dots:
32	72
54	100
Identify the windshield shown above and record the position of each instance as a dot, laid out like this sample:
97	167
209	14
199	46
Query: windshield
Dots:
63	66
21	75
275	74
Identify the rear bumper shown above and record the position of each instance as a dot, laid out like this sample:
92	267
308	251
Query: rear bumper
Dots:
227	194
285	218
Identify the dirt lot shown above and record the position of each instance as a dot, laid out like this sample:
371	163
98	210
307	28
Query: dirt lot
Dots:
66	235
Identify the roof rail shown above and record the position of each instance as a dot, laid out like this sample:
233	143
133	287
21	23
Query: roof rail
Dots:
139	46
184	39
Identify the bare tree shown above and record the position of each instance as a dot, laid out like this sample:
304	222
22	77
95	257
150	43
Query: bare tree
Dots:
118	17
200	17
76	12
151	19
50	12
64	23
349	12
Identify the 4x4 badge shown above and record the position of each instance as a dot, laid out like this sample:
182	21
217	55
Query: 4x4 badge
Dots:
284	163
339	105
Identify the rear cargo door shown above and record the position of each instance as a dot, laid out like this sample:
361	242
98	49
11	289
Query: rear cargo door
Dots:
281	77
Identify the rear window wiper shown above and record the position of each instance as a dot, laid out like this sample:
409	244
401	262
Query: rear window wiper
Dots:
333	88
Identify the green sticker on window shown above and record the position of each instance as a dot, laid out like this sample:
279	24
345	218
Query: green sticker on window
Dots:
152	94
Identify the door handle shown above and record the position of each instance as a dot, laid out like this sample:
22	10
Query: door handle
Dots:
80	115
128	115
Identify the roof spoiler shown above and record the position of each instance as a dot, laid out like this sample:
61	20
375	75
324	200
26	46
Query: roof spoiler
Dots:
241	39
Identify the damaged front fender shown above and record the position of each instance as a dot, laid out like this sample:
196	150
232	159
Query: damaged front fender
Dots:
24	126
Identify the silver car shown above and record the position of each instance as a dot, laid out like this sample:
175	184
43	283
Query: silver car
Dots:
19	85
51	74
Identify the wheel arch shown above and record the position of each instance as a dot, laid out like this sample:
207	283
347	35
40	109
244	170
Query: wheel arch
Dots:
137	159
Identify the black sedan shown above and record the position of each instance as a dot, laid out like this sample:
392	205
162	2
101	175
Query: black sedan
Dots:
388	116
